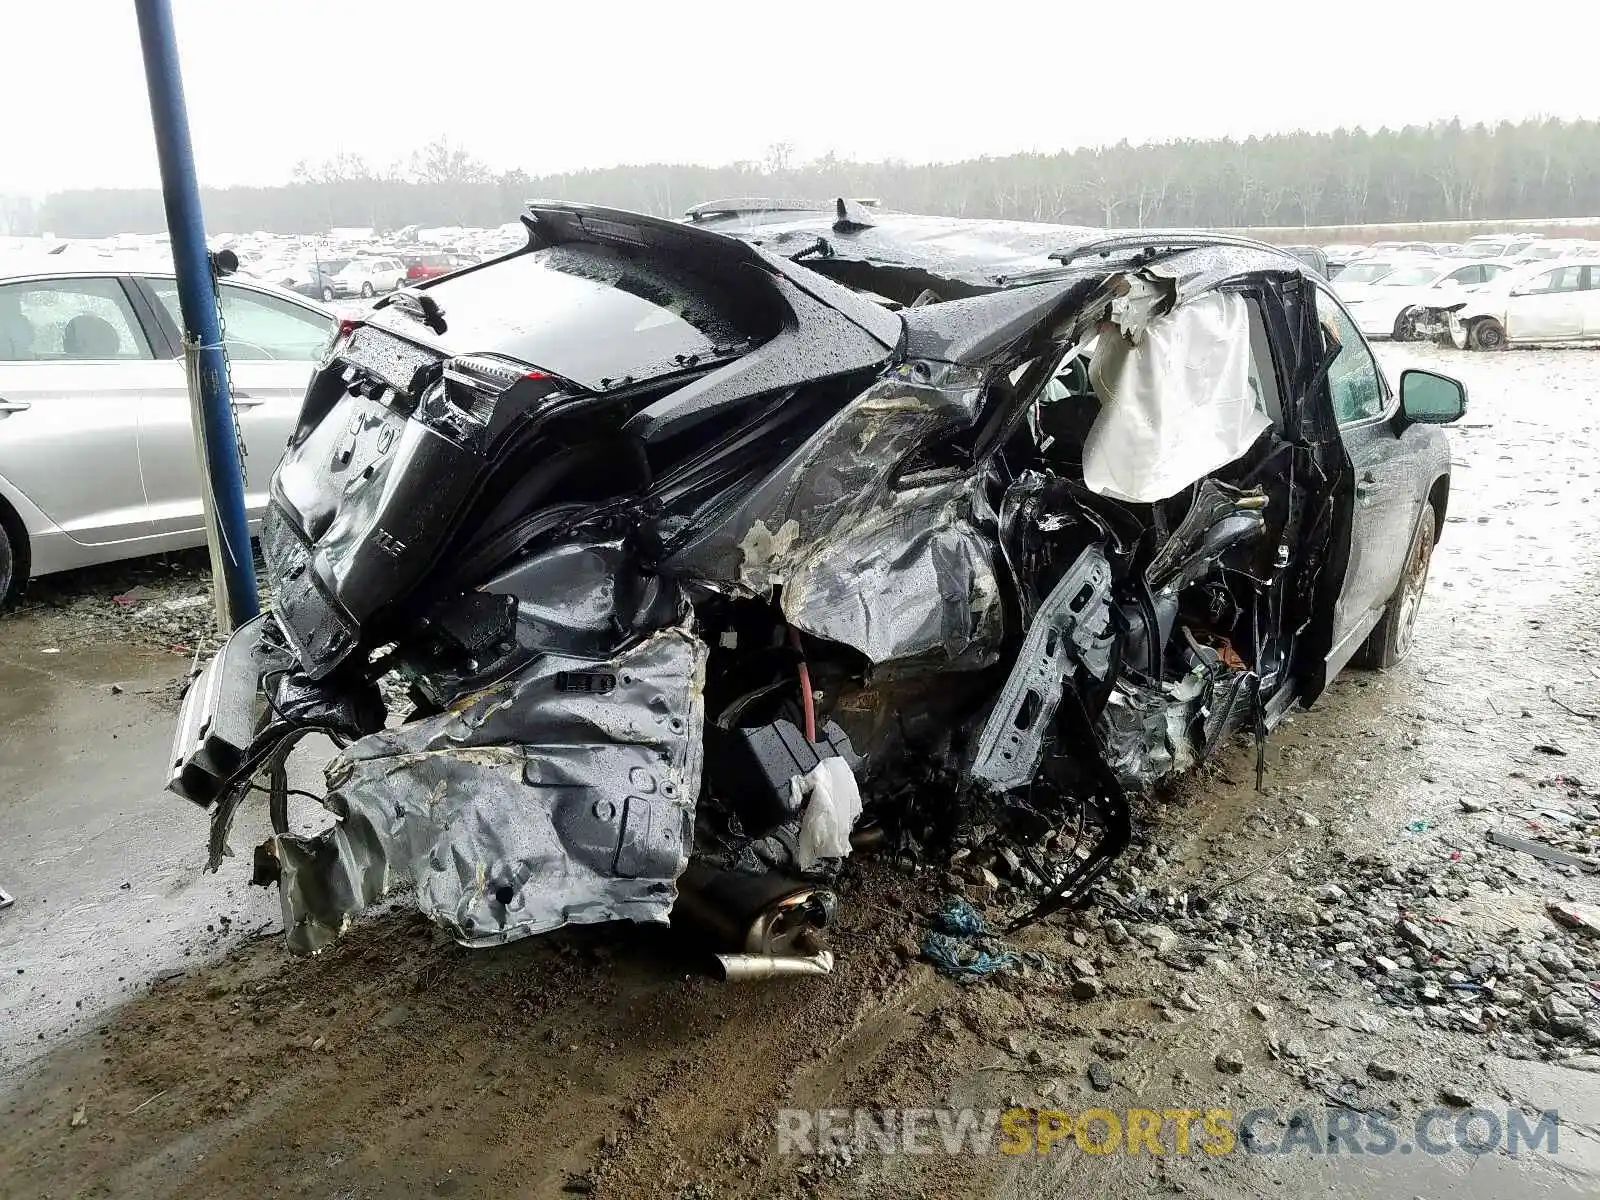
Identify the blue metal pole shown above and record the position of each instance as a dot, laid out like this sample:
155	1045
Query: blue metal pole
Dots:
180	192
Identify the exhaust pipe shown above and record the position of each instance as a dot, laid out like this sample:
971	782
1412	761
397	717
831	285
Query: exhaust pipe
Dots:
735	968
765	925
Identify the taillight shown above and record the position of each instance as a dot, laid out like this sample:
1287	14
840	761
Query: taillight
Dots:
464	404
489	372
340	339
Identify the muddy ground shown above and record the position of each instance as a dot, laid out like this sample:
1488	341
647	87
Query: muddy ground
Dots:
1362	947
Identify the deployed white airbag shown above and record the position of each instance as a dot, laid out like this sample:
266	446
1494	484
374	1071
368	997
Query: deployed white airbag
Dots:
1176	404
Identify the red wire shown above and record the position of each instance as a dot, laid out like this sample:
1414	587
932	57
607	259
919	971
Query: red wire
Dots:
807	706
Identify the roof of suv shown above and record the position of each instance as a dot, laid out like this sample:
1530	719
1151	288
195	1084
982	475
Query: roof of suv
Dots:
981	253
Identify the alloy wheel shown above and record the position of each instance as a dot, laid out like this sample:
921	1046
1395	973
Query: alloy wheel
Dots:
1416	579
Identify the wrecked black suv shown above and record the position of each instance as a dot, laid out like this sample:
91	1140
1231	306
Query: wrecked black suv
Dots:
703	551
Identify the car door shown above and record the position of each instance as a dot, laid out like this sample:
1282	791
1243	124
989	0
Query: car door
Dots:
74	365
273	345
1548	307
1590	298
1384	505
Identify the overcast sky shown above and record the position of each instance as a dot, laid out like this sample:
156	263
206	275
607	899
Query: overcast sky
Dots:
552	86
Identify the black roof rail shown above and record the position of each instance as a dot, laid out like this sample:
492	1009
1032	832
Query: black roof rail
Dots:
1155	241
740	206
744	205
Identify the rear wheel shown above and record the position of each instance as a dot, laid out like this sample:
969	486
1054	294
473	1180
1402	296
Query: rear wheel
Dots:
10	584
327	295
1390	640
1486	334
366	291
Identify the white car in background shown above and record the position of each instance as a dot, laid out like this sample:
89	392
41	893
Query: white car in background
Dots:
369	276
1539	302
1550	249
97	454
1352	282
1494	245
1384	308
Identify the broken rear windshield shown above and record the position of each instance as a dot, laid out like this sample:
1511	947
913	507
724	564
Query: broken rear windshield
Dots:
592	313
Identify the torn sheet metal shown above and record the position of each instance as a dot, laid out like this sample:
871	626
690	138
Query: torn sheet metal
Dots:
1145	729
1175	405
564	795
1072	630
841	473
913	581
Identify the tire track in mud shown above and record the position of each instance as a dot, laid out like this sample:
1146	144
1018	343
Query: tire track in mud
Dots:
397	1064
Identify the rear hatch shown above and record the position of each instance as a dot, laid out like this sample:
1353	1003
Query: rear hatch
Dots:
402	425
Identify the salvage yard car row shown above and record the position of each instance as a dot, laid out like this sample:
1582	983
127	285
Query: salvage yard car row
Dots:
1549	292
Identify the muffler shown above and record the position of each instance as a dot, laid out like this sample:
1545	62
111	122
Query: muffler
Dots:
759	926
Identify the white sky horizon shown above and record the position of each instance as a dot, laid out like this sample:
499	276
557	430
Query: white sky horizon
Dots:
548	89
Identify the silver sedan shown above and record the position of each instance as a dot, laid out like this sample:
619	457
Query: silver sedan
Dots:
97	454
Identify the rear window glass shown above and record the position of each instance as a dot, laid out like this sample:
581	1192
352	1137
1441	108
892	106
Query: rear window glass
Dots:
593	312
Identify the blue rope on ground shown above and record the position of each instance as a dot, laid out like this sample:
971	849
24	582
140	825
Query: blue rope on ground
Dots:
958	946
956	957
957	917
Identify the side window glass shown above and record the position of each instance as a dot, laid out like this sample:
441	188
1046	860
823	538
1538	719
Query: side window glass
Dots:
1353	378
258	327
69	320
1564	279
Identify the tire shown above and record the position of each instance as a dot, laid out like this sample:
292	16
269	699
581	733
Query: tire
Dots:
1404	331
327	295
366	291
1487	334
1390	640
12	574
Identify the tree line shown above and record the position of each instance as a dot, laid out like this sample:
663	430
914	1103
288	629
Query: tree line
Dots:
1440	172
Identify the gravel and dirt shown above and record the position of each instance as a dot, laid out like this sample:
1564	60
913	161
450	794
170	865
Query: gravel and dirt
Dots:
1348	940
